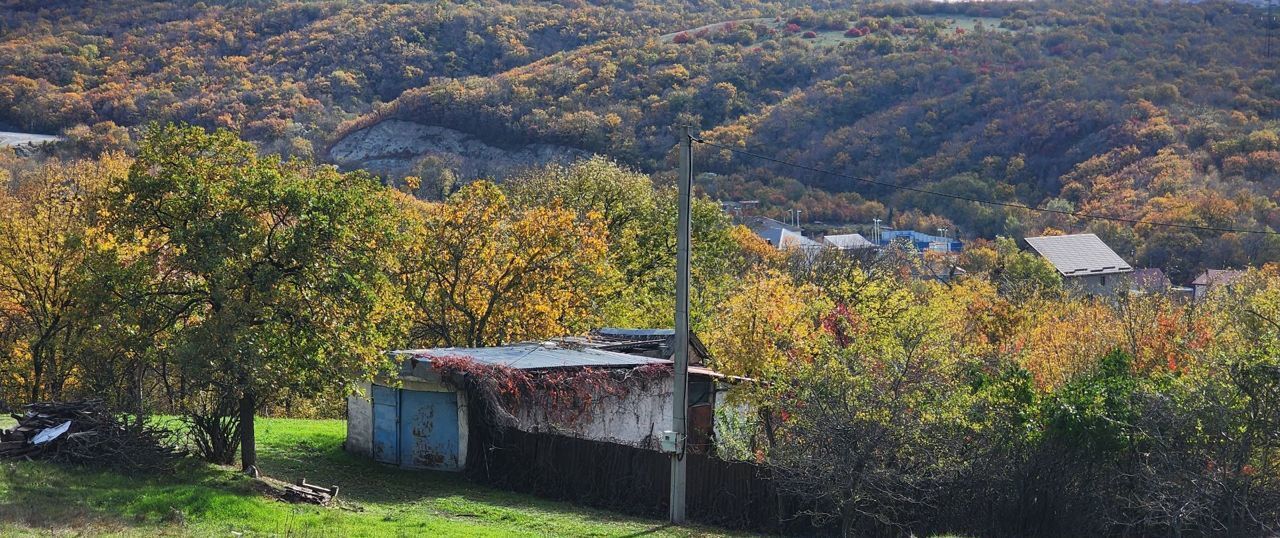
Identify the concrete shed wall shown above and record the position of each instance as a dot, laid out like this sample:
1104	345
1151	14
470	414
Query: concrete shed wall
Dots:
637	419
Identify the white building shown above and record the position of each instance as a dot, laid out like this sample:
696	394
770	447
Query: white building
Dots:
1086	263
421	418
847	241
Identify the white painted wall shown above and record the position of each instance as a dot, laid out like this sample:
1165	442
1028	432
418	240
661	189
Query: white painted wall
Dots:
638	419
360	421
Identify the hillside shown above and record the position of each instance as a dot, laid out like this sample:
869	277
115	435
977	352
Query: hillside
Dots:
1139	110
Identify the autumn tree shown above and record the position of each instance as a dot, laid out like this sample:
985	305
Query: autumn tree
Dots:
480	271
765	323
1016	272
50	236
866	426
641	220
274	273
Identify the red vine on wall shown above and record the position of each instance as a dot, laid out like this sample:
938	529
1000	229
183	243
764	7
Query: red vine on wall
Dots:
565	394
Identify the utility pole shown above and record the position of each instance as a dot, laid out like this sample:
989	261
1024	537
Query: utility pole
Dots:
680	388
1271	28
875	231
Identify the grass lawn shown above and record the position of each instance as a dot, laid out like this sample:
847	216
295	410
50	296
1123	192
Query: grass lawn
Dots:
204	500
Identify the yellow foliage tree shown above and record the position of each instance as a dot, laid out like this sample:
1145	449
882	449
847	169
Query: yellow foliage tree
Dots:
768	322
48	234
482	272
1065	338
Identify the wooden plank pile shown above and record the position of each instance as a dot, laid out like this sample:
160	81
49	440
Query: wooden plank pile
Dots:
309	493
84	432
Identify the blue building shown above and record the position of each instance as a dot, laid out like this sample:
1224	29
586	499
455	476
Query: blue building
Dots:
921	241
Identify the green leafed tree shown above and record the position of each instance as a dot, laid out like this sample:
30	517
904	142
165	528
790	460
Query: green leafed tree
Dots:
275	272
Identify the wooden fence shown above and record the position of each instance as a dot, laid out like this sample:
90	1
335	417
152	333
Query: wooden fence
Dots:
631	480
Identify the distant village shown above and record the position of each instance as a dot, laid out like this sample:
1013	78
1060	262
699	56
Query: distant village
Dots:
1086	263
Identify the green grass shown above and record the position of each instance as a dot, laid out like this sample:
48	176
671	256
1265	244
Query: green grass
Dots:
204	500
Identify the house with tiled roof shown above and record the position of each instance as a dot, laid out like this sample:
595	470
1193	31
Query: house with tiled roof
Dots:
1086	263
1212	279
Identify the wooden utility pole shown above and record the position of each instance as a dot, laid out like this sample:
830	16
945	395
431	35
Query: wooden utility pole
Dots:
1271	28
680	394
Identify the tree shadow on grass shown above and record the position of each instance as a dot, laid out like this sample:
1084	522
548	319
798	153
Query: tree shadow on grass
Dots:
647	532
360	479
54	498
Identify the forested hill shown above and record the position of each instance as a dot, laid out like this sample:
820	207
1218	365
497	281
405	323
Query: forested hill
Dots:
1150	111
1142	110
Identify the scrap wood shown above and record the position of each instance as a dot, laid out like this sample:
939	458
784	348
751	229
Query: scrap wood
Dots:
85	432
309	493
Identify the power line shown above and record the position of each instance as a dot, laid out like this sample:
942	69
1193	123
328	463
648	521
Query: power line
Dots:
1013	205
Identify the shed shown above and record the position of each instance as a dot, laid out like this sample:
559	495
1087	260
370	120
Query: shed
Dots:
420	419
1149	280
1084	261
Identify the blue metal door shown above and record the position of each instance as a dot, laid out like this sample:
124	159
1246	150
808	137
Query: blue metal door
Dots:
386	424
429	430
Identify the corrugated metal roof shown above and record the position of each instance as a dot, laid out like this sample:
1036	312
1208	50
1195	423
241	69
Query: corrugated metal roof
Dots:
1079	255
635	333
536	356
848	241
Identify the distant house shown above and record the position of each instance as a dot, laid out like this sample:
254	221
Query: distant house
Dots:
847	242
1211	279
921	241
1149	281
424	415
1084	261
781	236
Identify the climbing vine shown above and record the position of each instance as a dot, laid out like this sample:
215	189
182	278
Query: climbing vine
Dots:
565	394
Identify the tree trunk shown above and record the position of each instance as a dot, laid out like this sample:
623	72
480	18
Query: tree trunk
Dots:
37	365
248	450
